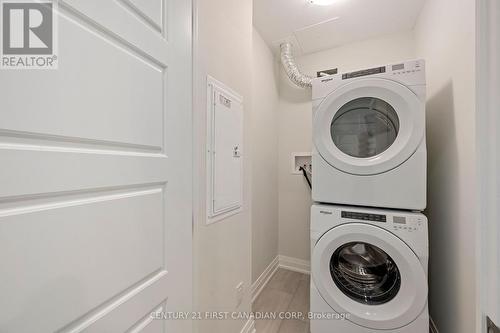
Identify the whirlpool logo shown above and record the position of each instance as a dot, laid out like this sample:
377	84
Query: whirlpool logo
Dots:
29	36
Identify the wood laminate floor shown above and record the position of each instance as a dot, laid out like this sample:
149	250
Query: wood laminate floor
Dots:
287	292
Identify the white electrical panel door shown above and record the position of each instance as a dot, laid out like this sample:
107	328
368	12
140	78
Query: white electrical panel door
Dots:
225	163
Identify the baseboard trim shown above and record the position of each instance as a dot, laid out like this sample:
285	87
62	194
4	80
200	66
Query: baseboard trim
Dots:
289	263
433	327
294	264
249	327
264	278
491	327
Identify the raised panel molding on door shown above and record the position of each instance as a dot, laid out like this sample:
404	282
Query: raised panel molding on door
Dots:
95	195
149	10
126	27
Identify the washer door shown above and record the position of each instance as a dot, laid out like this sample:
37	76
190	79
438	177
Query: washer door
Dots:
370	274
369	126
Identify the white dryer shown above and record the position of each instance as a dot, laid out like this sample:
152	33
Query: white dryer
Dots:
369	270
369	137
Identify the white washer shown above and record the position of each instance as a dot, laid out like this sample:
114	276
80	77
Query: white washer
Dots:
369	270
369	137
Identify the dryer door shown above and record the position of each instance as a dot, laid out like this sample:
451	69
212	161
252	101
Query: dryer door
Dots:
369	126
371	275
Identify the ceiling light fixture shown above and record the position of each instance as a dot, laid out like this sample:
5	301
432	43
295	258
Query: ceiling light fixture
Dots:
322	2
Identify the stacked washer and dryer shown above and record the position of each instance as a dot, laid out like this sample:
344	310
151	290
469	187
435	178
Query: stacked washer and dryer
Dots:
369	240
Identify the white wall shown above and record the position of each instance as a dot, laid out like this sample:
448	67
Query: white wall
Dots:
445	37
223	49
264	145
295	128
488	122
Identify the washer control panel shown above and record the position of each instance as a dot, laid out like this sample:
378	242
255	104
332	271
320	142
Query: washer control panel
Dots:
398	222
405	223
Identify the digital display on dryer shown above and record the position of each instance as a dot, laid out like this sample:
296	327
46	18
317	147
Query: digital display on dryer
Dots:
398	67
364	216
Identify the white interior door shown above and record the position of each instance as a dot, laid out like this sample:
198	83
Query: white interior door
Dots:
95	181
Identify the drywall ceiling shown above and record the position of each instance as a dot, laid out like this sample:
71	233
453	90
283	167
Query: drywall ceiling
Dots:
314	28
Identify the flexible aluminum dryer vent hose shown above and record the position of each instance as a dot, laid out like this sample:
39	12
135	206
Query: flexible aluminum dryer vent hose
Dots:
291	69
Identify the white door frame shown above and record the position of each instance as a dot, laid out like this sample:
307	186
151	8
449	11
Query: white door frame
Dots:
488	143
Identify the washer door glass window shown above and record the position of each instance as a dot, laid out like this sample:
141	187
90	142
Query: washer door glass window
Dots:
365	273
365	127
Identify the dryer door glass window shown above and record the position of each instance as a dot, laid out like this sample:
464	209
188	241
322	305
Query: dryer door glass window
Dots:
365	273
365	127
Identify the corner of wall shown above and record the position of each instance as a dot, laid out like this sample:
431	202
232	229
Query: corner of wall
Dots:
264	144
448	44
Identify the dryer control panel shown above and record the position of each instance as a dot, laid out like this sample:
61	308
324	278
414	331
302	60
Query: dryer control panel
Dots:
403	68
364	72
364	216
409	73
